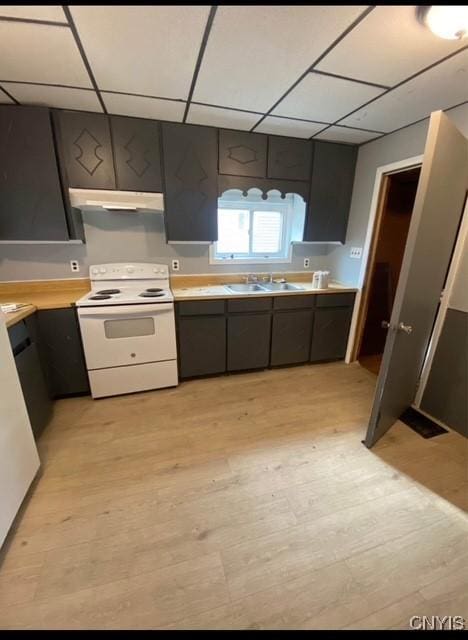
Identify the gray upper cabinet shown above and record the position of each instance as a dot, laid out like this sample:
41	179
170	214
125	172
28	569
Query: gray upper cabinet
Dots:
242	153
137	154
289	158
190	175
330	192
31	202
85	149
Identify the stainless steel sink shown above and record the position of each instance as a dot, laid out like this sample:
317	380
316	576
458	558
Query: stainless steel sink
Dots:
281	286
243	288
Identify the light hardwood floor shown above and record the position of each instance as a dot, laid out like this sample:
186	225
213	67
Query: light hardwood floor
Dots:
244	501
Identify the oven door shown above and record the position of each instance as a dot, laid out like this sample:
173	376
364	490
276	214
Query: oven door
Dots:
122	335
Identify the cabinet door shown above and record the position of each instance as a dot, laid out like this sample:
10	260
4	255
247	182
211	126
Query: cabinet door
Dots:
330	333
36	395
291	334
85	149
289	158
330	192
137	154
62	351
190	170
242	154
31	203
248	340
202	345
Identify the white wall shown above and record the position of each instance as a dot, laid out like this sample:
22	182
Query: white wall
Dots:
403	144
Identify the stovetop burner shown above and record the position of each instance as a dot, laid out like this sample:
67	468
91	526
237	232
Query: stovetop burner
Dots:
108	292
100	296
156	293
154	290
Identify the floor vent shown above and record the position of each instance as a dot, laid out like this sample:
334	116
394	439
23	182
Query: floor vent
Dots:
421	424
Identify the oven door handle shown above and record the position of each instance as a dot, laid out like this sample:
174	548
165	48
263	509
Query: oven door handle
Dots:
129	310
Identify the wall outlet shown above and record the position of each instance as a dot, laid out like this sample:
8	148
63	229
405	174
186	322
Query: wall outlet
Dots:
175	265
306	263
356	252
74	265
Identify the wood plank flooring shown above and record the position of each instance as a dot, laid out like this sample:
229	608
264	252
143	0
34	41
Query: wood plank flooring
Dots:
238	502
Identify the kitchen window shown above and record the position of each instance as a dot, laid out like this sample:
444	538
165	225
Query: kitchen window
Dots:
252	230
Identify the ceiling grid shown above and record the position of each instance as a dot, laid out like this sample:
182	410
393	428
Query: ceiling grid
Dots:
370	70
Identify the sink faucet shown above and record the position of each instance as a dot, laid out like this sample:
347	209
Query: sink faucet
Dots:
251	277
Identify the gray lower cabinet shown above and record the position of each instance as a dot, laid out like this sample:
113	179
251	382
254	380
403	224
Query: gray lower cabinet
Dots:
33	385
202	345
248	339
62	352
330	329
290	338
31	375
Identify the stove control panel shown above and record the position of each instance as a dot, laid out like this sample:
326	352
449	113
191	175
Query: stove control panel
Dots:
128	271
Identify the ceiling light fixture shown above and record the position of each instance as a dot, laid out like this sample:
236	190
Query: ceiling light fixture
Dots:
449	22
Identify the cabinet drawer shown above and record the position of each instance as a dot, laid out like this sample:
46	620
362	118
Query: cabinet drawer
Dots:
294	302
201	308
249	304
18	333
335	300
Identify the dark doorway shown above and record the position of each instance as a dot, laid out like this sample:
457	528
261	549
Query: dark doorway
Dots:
397	199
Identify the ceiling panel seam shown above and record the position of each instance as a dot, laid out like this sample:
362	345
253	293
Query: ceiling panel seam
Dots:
348	29
50	23
201	53
7	93
412	123
79	44
414	75
335	75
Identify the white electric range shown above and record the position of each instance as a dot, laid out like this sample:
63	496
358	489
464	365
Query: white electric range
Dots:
127	326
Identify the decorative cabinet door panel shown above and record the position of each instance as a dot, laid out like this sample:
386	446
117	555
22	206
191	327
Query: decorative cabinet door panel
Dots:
31	203
242	154
137	154
191	194
248	337
330	192
289	158
86	149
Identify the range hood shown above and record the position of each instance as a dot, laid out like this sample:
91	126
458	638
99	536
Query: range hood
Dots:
116	201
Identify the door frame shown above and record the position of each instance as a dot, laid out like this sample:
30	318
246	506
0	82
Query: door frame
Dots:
457	256
370	245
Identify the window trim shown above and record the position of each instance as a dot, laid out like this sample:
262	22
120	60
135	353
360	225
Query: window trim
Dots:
277	258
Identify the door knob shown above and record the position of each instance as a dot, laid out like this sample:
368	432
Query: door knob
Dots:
385	325
407	328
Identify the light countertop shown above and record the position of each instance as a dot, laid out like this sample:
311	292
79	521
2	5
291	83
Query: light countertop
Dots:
216	291
40	296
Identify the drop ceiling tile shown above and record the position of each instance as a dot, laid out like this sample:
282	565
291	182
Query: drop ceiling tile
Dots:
441	87
59	97
35	12
255	53
217	117
388	46
285	127
324	98
143	107
343	134
40	53
142	49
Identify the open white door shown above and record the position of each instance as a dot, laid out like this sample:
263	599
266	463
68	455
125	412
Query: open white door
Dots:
19	460
434	224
